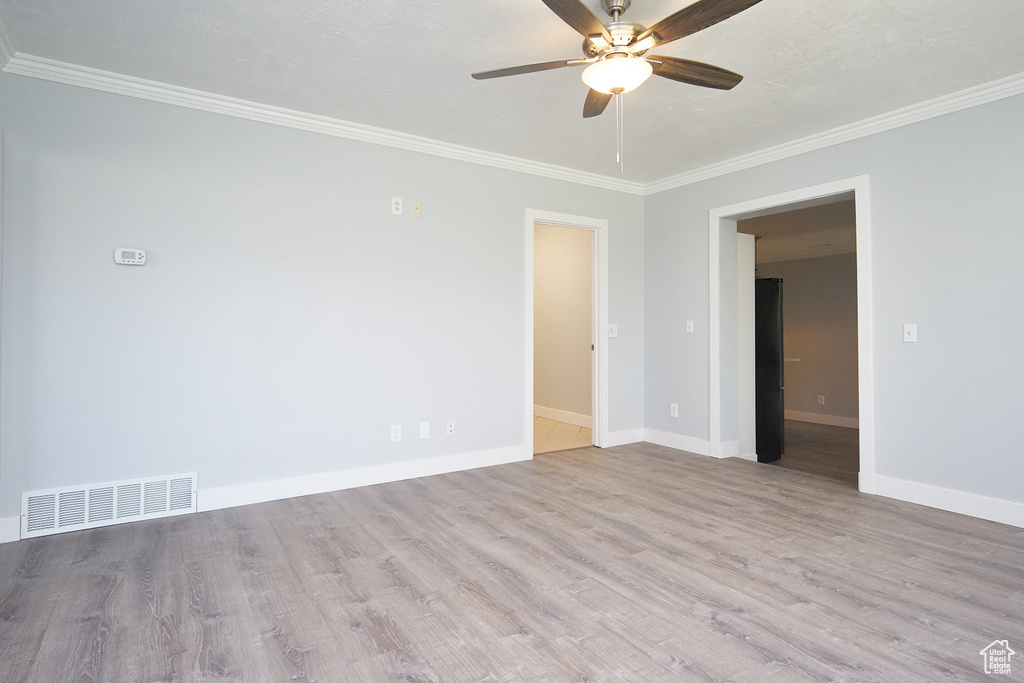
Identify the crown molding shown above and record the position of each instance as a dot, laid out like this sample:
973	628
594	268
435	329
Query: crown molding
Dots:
6	49
95	79
947	104
70	74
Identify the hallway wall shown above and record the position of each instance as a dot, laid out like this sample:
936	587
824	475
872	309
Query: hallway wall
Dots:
820	328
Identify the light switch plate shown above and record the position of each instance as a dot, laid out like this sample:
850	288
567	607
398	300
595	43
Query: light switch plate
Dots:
910	332
613	330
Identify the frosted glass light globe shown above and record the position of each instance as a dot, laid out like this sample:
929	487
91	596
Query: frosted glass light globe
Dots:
617	74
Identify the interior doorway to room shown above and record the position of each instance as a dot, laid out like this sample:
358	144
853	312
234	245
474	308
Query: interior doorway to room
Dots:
810	254
730	423
564	338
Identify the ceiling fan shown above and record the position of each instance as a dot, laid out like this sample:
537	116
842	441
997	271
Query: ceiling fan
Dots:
617	52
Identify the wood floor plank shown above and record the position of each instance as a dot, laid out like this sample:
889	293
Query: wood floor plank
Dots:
77	646
822	450
292	629
636	563
32	573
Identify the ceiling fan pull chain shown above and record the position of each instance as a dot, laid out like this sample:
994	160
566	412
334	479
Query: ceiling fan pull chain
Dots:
618	132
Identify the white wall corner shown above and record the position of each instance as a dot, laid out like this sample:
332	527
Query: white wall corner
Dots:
10	529
263	491
730	449
6	47
623	437
678	441
971	504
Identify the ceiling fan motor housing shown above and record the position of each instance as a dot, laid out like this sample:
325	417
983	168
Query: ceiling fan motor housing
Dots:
615	6
623	35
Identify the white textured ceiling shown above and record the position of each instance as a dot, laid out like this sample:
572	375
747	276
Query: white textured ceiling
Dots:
810	66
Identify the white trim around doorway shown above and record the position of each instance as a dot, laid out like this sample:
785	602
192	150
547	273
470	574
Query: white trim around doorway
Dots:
599	391
723	219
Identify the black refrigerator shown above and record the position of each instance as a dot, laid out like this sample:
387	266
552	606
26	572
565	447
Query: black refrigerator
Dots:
769	386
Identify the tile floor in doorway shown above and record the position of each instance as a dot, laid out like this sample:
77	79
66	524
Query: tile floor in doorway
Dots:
550	435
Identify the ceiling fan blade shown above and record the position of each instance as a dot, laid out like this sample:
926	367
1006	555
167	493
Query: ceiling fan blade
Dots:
595	103
579	16
694	73
526	69
696	17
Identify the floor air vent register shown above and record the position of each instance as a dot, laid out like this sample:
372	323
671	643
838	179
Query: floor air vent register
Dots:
55	511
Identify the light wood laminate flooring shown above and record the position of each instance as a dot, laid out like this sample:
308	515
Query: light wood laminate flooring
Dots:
635	563
550	436
824	450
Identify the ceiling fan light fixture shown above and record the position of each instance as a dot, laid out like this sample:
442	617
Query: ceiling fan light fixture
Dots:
617	74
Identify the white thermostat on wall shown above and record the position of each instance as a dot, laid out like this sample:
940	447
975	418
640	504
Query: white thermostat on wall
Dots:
130	257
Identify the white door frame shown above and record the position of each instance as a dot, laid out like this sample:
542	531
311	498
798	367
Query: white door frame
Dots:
599	317
721	221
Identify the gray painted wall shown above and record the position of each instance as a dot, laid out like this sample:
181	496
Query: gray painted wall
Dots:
947	235
820	328
285	318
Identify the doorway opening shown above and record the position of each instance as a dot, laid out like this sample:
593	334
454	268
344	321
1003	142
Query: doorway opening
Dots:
567	255
563	338
806	403
729	418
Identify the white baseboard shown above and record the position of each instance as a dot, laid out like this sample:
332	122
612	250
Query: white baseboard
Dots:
677	441
622	437
10	529
818	418
972	504
563	416
260	492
